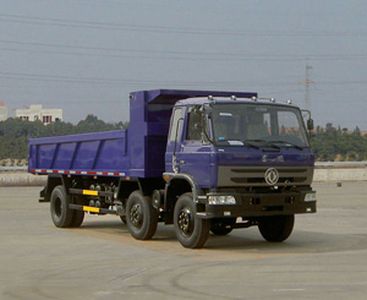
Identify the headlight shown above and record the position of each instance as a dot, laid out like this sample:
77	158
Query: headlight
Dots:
310	197
221	200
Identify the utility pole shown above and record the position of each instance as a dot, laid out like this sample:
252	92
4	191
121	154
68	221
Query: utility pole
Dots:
308	82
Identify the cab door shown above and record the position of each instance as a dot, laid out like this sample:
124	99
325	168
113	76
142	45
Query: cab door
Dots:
197	157
174	140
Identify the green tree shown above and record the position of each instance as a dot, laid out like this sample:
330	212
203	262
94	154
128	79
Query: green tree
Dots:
14	133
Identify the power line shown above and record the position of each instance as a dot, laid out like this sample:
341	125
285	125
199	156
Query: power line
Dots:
160	57
100	80
150	51
184	58
138	82
173	55
33	20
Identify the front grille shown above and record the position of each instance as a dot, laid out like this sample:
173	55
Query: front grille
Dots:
254	176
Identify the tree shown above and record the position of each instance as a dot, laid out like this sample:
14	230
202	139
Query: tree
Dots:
14	133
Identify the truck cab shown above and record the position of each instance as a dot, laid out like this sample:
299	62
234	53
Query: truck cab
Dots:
245	159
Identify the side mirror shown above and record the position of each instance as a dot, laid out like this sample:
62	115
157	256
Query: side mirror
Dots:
310	125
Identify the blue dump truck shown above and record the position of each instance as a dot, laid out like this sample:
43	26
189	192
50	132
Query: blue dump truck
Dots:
204	161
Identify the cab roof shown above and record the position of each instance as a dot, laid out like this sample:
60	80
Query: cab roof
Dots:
227	100
170	96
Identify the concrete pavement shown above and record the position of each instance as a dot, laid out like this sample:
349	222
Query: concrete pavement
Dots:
325	258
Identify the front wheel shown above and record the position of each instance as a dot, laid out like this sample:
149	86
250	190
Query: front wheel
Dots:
141	217
191	231
276	228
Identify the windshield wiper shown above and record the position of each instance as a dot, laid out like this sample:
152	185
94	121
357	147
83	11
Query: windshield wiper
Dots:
250	144
256	142
290	145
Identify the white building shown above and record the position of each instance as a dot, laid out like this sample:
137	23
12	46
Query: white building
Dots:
37	112
3	111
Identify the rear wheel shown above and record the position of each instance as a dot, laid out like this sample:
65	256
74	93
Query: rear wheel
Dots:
191	231
78	215
61	214
141	217
276	228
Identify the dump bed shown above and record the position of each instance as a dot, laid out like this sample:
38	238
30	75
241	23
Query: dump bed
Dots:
100	153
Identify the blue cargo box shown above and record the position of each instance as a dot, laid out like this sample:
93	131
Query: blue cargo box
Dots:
100	153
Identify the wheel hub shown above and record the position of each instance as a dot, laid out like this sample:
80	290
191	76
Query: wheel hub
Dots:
185	221
136	215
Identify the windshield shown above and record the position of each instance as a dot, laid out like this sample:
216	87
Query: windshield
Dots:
258	125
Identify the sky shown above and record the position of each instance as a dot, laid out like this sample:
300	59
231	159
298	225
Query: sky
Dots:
85	56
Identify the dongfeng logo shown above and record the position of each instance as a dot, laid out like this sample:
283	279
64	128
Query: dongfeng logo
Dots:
271	176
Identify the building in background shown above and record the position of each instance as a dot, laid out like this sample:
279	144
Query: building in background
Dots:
37	112
3	111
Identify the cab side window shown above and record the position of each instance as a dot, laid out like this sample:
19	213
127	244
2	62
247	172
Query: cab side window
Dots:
176	125
194	127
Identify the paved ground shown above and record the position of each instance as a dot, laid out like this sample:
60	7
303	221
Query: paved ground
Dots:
325	258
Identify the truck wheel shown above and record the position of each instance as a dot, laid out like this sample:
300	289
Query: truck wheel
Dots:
78	215
276	228
61	214
141	217
222	226
123	219
191	231
77	218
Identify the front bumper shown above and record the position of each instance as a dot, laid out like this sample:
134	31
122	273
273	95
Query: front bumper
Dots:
259	204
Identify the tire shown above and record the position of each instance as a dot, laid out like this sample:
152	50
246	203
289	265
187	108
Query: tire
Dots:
61	214
123	219
77	219
78	215
191	231
222	227
276	228
141	217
